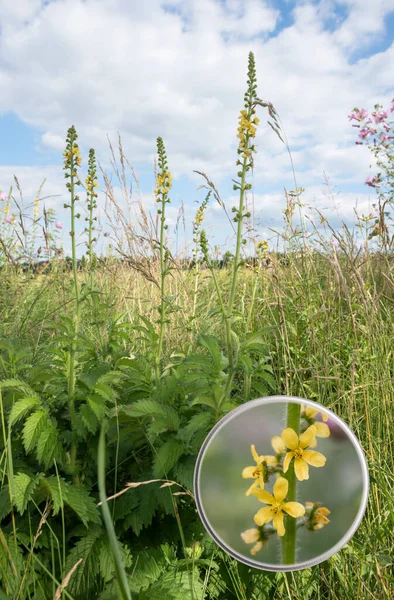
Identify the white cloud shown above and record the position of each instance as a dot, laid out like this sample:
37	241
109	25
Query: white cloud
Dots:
129	66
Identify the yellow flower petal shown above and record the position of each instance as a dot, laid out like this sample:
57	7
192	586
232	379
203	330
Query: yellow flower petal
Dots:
316	459
254	454
294	509
264	496
290	438
324	417
310	412
321	518
250	536
301	468
278	444
313	443
249	473
324	511
322	430
287	461
307	436
278	524
256	548
264	515
281	486
254	486
270	460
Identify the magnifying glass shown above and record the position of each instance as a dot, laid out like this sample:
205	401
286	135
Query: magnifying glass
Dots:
281	483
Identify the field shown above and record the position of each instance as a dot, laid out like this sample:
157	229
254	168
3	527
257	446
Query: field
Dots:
112	373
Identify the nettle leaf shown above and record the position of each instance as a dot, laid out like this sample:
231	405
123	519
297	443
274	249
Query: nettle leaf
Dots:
16	385
198	422
151	408
255	341
47	445
85	575
33	427
167	456
184	472
57	491
5	504
83	504
22	407
24	487
97	405
89	418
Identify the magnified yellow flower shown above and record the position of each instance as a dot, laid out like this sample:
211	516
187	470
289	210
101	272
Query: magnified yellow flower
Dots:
322	429
253	536
278	444
319	517
298	450
275	512
257	472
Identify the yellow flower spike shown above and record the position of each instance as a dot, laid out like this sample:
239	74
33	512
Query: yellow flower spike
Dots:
275	512
253	536
257	472
298	450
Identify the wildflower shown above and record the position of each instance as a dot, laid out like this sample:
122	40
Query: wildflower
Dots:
8	219
257	472
364	133
322	429
3	196
298	450
373	181
58	224
316	515
254	536
278	444
275	512
106	234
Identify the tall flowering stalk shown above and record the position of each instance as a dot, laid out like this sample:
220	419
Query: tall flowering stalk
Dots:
163	186
198	220
246	133
91	183
72	160
293	456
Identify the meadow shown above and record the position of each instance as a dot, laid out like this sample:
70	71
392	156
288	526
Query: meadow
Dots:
114	369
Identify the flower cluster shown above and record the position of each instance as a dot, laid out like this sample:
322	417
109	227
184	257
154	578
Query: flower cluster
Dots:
246	131
291	449
316	516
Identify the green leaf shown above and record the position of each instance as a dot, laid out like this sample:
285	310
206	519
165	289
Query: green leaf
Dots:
5	504
47	445
22	407
83	504
198	422
84	577
167	456
16	385
33	428
97	405
89	418
24	487
151	408
57	491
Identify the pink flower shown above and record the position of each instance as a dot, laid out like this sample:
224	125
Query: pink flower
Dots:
8	219
358	115
373	181
381	116
364	133
386	127
3	196
386	137
59	224
392	106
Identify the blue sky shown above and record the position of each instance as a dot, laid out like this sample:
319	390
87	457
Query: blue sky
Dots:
178	70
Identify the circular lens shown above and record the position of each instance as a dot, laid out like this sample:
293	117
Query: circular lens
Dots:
281	483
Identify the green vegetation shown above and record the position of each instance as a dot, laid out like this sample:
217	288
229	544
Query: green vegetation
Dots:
112	374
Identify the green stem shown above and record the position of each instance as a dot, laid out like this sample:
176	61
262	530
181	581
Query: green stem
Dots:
162	287
71	371
119	568
289	539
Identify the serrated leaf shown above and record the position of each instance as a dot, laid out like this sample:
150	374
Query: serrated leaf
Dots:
97	405
24	487
47	445
83	504
198	422
166	457
151	408
89	418
16	385
33	427
5	504
84	577
22	407
57	490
